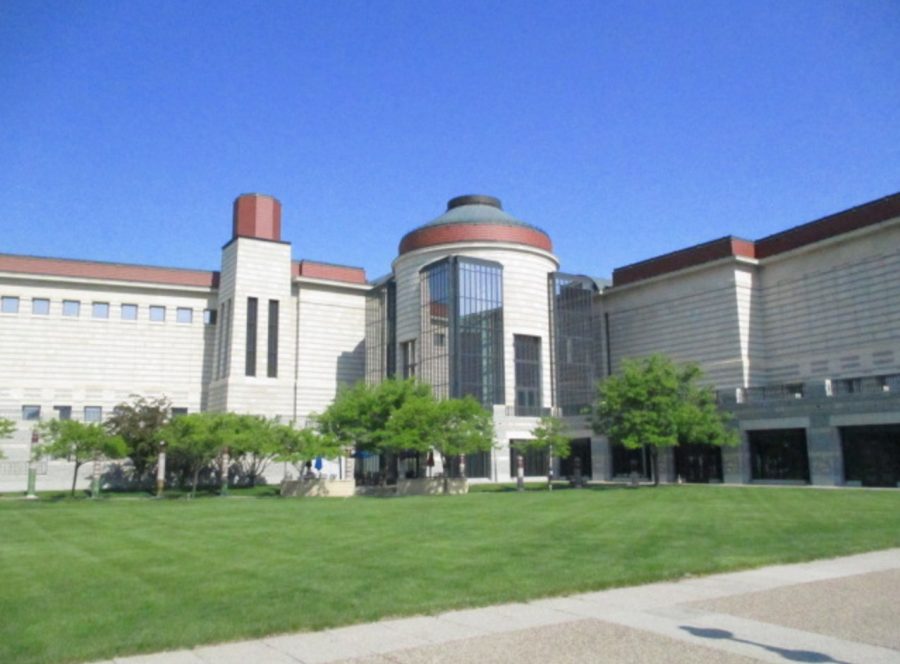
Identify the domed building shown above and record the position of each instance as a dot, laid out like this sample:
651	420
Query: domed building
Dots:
470	308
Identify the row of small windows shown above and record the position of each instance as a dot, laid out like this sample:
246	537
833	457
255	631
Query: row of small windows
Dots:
72	309
91	413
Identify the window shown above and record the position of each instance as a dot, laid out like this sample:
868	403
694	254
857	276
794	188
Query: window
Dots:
177	412
157	314
779	454
40	306
129	311
536	460
250	356
440	339
184	315
528	375
31	412
63	412
93	414
9	304
71	308
209	316
408	359
100	310
272	360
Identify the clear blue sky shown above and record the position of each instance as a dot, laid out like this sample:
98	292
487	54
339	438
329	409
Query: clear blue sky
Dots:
624	129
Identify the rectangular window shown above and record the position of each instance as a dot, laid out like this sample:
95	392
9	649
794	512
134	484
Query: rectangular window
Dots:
177	412
157	314
184	315
408	359
63	412
209	316
779	454
250	358
272	360
536	460
40	306
100	310
129	311
71	308
528	375
93	414
9	304
31	412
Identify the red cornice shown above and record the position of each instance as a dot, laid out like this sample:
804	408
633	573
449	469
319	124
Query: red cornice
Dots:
833	225
63	267
315	270
430	236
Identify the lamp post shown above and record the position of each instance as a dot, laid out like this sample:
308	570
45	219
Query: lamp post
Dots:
161	470
32	466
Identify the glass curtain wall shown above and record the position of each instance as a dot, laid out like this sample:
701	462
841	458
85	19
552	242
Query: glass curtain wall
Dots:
572	342
528	375
381	342
461	342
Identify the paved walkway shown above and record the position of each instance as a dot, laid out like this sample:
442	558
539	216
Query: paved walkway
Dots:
838	610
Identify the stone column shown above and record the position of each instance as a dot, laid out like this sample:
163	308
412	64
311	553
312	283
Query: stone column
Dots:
823	445
736	462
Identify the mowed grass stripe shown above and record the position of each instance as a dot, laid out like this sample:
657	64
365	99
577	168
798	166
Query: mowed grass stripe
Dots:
89	580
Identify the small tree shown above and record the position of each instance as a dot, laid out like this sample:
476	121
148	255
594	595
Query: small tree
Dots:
657	403
139	422
81	442
358	417
550	434
299	446
197	438
7	429
451	427
250	440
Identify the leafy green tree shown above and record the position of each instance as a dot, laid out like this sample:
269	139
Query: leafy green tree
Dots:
81	442
658	403
7	429
252	441
359	415
299	446
451	427
550	435
139	422
197	438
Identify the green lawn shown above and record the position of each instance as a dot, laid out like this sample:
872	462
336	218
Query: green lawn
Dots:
83	579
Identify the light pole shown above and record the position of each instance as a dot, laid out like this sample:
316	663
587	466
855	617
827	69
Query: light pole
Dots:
161	470
32	466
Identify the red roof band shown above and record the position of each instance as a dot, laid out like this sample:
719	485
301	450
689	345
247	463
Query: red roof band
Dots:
430	236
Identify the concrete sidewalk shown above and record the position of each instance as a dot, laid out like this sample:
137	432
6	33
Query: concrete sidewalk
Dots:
838	610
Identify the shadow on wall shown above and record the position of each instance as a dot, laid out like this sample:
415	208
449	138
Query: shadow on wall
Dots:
351	367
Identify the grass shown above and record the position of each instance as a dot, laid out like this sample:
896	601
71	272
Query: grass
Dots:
86	580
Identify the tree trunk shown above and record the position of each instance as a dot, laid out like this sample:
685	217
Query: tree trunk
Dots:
75	477
654	464
194	485
446	461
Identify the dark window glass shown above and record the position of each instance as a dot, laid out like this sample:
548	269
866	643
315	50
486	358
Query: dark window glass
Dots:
93	414
63	412
408	359
31	412
626	461
250	359
461	348
779	454
381	338
178	411
272	361
209	316
528	375
572	342
872	454
536	461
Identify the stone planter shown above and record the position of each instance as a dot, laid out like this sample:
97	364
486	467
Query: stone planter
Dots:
318	488
432	486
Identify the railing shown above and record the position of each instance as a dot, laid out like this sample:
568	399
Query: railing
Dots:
829	387
530	411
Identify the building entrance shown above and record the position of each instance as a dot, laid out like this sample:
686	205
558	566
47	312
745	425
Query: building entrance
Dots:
581	449
699	463
872	454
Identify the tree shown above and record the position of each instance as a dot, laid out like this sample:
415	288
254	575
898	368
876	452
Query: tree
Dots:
139	423
658	403
251	441
451	427
197	438
299	446
7	429
550	434
359	415
81	442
